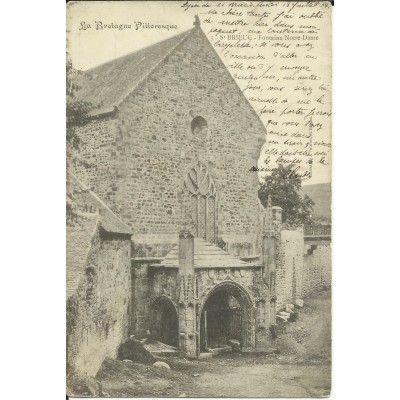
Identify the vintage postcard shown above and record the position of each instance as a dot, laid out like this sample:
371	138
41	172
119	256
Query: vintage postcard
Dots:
198	198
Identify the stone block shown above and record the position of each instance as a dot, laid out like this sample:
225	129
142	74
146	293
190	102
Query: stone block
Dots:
285	314
161	364
235	344
299	303
205	355
282	318
289	308
220	350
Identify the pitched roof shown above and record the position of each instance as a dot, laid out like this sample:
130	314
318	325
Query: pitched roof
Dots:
86	202
109	84
206	255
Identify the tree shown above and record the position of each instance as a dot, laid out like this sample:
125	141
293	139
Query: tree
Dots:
77	113
284	188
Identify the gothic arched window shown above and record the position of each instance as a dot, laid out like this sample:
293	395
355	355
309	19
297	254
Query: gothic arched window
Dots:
201	188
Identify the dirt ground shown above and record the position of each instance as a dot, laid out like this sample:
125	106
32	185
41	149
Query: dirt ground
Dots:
302	369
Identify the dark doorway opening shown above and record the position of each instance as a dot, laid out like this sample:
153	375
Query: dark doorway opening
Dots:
165	322
224	318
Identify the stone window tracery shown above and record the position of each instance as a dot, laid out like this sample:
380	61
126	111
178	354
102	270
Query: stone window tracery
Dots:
200	185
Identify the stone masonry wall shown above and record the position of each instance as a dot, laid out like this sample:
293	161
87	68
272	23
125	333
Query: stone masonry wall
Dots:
96	167
154	146
152	283
98	316
299	274
317	272
289	268
140	320
250	279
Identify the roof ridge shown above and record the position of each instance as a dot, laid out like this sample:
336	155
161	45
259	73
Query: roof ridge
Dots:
94	73
107	86
186	34
92	69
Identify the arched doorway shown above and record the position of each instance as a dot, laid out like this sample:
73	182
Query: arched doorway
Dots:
226	314
164	322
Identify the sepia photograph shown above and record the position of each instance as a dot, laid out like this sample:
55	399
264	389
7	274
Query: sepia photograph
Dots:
198	199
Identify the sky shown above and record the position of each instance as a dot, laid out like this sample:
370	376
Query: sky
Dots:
89	47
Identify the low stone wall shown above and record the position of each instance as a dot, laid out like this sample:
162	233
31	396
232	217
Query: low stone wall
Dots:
317	272
98	314
289	267
301	268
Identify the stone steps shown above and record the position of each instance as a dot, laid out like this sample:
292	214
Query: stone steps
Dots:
205	355
220	350
162	349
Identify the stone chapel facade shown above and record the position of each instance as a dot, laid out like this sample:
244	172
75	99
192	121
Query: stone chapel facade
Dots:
169	149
